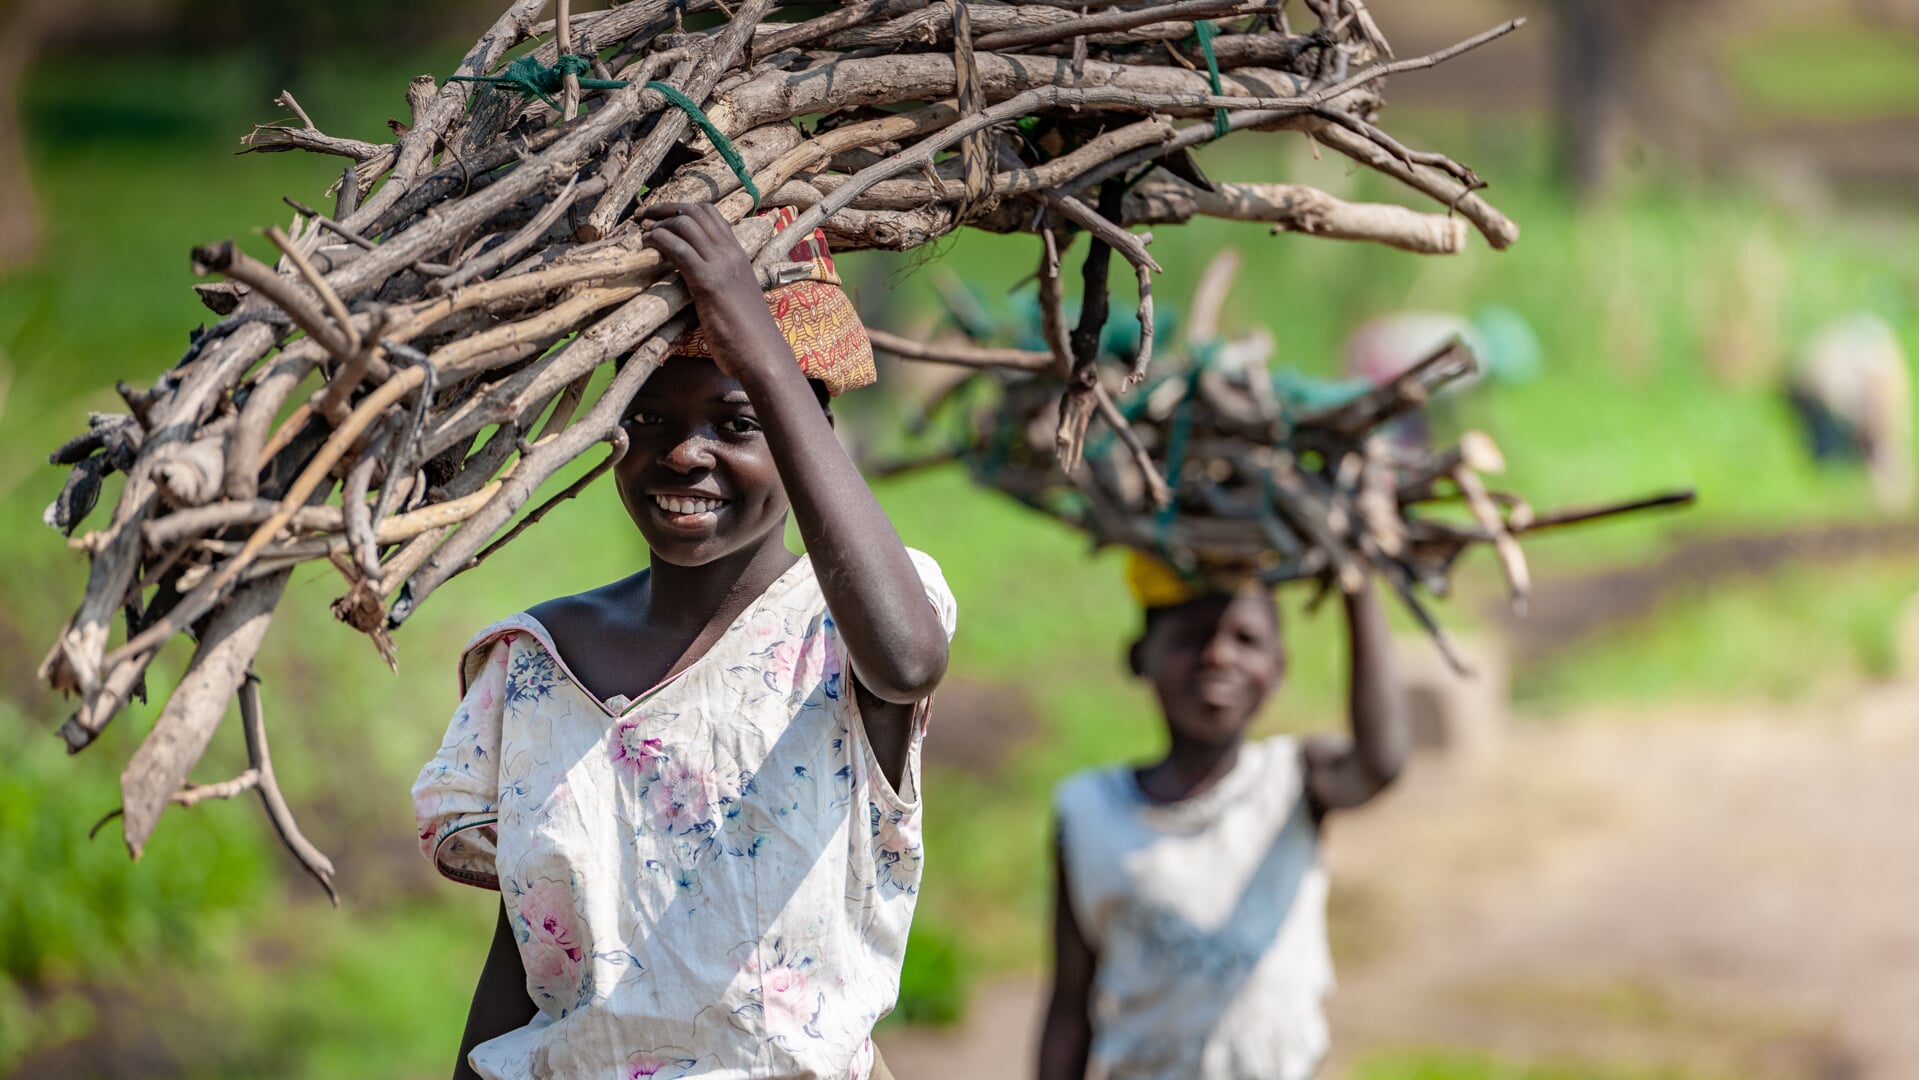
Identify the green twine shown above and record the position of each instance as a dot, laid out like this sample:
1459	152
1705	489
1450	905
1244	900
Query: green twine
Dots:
1203	29
724	145
534	79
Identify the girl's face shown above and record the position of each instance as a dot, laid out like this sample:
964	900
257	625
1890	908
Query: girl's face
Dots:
698	478
1213	662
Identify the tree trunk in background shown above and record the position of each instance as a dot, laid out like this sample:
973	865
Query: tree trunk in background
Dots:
24	25
1594	56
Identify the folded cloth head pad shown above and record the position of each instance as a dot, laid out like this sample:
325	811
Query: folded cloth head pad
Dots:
814	314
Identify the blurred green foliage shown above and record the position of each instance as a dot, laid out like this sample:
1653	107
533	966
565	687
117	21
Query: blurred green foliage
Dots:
215	954
1826	70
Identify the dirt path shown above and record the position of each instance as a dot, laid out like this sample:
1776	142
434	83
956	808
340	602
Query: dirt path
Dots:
1715	891
1568	608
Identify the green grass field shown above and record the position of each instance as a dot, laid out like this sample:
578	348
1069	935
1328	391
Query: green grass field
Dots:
1658	366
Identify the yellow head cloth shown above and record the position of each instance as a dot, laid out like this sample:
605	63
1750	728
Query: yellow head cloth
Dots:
814	315
1156	584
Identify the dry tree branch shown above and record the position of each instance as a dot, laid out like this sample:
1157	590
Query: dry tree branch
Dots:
960	355
1299	209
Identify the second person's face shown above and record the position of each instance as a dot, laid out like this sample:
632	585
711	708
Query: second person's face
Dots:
1213	662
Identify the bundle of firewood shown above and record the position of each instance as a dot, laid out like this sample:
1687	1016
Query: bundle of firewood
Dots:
476	271
1229	471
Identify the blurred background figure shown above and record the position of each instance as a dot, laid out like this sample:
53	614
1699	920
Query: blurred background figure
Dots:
1383	348
1501	338
1849	387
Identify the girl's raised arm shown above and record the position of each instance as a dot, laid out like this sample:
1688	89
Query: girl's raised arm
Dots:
1343	772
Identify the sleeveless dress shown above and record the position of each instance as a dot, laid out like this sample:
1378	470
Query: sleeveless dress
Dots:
715	880
1208	917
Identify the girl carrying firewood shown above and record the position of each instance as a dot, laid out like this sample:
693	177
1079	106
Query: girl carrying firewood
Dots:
697	788
1189	933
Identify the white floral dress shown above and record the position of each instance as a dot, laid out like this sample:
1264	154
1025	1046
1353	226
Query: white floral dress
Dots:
715	880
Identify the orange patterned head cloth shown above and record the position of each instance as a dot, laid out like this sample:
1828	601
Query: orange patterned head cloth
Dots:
814	315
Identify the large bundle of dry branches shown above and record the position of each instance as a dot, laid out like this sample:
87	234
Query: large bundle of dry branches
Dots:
476	271
1227	473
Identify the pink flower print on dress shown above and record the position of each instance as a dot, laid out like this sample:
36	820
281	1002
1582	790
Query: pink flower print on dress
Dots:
790	1006
745	958
631	750
896	848
552	949
683	796
761	627
657	1064
781	660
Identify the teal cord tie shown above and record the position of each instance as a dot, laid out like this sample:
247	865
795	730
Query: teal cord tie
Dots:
1203	29
1176	442
728	152
534	79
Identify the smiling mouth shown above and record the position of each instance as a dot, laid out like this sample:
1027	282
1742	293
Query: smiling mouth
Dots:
687	506
1218	691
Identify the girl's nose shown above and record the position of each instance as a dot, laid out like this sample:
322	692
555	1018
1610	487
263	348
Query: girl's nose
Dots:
688	454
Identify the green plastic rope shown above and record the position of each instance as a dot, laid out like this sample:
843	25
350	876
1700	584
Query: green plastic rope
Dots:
724	145
534	79
1204	31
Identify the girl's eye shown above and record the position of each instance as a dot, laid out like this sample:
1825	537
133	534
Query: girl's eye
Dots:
740	425
643	419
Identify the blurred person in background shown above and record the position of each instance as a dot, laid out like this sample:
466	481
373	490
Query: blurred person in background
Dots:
1501	339
1190	909
1850	389
1381	349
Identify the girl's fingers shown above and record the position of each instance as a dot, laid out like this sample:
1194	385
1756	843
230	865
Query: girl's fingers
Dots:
682	252
697	223
664	211
712	222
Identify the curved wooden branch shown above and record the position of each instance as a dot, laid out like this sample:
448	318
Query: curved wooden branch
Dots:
959	355
1297	208
253	723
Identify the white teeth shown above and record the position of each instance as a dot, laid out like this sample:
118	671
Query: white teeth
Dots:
676	504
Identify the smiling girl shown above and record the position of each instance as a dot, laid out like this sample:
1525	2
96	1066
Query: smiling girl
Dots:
696	787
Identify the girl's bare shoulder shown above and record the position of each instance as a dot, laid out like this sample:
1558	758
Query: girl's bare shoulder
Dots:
592	613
